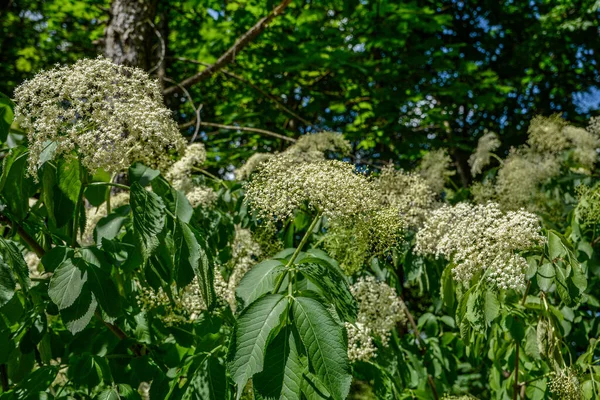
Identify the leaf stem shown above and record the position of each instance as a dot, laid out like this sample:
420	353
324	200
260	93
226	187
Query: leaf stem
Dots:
35	246
297	251
118	185
78	206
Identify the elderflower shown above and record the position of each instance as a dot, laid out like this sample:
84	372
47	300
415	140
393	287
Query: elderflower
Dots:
486	146
201	196
321	142
435	168
112	115
481	238
281	186
353	241
310	147
565	385
186	304
245	253
379	308
408	192
33	264
180	173
519	179
546	134
588	208
360	342
251	165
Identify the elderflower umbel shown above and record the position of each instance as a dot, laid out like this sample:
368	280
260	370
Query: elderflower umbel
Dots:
187	304
360	342
33	264
379	310
180	173
435	168
481	238
245	253
519	179
407	192
486	146
310	147
281	186
112	115
565	385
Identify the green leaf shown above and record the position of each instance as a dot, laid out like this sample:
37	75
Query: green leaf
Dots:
254	328
282	376
109	394
110	226
175	200
77	316
13	257
67	282
491	307
68	174
545	276
96	194
325	344
7	283
562	285
556	249
15	184
38	381
141	174
333	284
148	218
259	280
190	259
208	382
6	116
105	290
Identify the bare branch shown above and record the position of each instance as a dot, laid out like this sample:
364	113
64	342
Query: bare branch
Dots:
247	129
239	44
196	109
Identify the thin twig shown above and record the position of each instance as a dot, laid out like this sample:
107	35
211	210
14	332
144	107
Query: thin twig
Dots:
239	45
163	48
118	332
269	96
247	129
196	109
35	246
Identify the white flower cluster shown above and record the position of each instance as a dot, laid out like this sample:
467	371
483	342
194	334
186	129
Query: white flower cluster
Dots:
360	342
486	146
311	147
518	181
379	310
112	115
245	253
282	186
180	173
409	193
180	176
186	306
435	168
553	135
94	215
33	264
481	238
565	385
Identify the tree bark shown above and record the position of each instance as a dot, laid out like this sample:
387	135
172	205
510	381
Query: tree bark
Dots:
129	33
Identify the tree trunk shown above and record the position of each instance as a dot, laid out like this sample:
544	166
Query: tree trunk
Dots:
129	33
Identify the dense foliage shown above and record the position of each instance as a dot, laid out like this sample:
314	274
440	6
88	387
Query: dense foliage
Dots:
292	261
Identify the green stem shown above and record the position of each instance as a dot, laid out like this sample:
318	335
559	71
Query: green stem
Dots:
108	208
297	252
217	179
118	185
78	206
